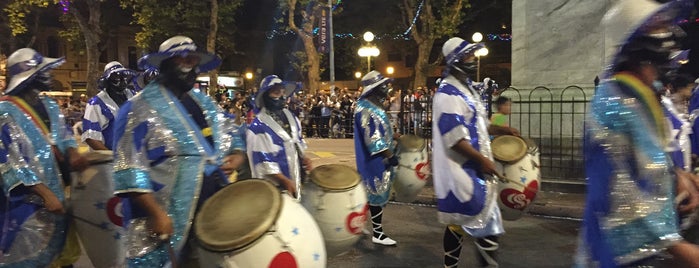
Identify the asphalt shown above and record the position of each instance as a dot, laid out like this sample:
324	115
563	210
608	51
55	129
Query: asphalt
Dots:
558	198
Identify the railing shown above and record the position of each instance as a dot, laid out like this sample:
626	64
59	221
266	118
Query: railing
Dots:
553	119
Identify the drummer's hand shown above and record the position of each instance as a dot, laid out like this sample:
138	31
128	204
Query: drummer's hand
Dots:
488	167
232	162
397	135
290	188
52	204
307	163
51	201
685	184
77	161
161	224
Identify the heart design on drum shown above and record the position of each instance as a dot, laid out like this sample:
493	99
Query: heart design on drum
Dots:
355	221
515	199
284	260
114	211
422	170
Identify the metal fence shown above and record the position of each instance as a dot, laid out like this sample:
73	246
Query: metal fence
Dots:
552	118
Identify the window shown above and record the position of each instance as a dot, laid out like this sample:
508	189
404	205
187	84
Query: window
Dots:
53	47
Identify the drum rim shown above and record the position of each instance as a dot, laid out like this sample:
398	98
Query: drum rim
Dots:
418	149
255	234
357	178
514	159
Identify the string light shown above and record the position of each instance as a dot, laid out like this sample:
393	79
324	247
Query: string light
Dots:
280	34
65	5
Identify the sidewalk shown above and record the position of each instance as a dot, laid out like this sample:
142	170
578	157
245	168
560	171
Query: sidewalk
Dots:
562	199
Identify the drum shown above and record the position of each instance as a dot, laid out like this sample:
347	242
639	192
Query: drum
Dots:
337	200
413	169
518	160
250	223
97	212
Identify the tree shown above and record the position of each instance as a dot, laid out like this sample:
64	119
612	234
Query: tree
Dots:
86	18
198	20
302	22
436	19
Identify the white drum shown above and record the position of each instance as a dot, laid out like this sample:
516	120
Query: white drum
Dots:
97	212
517	160
251	224
337	200
413	170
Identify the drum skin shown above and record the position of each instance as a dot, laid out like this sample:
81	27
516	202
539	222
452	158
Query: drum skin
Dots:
341	214
413	170
514	199
294	240
98	212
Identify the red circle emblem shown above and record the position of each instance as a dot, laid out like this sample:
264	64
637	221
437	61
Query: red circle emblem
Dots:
283	260
355	221
114	211
422	170
515	199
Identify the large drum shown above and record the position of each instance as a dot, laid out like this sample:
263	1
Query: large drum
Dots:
518	160
413	169
97	212
251	224
337	200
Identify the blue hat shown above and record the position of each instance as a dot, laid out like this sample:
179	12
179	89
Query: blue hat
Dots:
270	81
179	46
372	80
23	66
629	19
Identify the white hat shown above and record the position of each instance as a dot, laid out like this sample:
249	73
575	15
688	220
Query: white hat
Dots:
115	67
628	19
372	80
179	46
270	81
24	64
455	48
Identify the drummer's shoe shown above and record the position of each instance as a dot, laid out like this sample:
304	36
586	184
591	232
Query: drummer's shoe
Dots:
385	240
487	251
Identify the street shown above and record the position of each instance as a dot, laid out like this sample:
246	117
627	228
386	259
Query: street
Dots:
528	242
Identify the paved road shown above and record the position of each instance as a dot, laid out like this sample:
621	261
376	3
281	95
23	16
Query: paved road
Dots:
529	242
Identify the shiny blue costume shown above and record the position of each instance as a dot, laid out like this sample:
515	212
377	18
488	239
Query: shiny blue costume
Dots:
372	135
629	212
161	150
30	235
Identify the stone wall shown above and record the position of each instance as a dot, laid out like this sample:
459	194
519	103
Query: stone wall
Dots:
557	43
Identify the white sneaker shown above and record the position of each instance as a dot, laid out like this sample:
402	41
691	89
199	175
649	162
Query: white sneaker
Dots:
386	241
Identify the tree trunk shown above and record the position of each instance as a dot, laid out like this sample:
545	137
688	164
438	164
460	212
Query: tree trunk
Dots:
313	64
422	65
93	56
211	47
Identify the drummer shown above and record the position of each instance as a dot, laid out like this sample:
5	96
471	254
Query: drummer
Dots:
275	144
33	140
169	144
373	136
462	159
98	130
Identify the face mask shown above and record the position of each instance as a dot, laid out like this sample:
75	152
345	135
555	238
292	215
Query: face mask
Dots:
274	104
118	81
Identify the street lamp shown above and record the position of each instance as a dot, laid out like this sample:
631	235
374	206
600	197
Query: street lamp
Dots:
480	53
368	50
248	76
358	75
390	70
477	37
